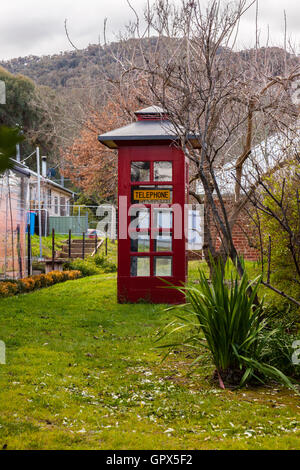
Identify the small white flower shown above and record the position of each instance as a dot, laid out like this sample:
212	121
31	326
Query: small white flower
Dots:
168	430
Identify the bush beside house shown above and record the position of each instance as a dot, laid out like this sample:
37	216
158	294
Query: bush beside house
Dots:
92	265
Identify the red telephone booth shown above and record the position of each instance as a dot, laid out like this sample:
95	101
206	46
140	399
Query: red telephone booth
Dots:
152	190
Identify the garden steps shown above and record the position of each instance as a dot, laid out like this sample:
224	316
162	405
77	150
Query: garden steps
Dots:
76	248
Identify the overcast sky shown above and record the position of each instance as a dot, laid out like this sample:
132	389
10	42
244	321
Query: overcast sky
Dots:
37	26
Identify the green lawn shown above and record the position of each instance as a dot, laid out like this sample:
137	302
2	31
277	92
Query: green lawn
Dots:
47	244
83	372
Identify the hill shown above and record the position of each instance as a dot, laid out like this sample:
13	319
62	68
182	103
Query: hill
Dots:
78	68
70	69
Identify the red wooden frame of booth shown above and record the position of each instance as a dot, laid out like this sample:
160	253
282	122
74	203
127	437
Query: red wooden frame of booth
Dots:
152	288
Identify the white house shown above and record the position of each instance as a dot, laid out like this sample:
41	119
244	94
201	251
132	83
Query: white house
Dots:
55	198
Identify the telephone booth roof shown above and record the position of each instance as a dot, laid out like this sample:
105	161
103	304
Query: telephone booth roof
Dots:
152	126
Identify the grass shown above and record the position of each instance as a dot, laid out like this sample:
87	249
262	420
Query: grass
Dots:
83	372
111	251
47	244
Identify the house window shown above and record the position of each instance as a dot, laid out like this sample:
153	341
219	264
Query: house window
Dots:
56	205
62	206
49	198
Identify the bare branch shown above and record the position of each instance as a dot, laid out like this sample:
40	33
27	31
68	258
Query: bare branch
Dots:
67	34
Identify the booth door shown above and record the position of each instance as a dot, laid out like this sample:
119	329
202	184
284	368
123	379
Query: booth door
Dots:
155	225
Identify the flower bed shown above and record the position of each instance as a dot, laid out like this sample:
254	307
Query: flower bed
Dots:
28	284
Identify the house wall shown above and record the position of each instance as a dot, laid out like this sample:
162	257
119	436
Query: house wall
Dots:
56	201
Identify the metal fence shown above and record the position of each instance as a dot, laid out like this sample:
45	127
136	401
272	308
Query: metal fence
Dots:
13	188
63	224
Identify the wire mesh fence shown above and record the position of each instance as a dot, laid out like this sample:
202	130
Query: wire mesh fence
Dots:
12	225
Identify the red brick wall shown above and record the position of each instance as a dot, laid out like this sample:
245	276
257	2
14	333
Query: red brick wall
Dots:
241	243
243	235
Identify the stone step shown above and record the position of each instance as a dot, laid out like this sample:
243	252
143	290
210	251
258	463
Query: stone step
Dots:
73	256
77	249
87	241
76	253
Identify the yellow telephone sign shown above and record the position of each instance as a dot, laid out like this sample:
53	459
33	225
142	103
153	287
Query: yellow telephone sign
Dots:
151	194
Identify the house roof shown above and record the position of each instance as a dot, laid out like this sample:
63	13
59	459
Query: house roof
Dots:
21	168
264	157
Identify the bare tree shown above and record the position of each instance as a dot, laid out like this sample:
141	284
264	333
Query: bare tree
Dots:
277	218
229	100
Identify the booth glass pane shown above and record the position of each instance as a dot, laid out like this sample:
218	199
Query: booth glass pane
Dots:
163	171
162	242
163	266
140	242
163	218
140	171
140	218
139	266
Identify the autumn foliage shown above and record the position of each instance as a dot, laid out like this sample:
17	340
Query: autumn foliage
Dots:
90	165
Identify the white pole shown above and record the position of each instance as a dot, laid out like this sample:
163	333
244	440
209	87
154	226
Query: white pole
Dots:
18	154
6	231
39	198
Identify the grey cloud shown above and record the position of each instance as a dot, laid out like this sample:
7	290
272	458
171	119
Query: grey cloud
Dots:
271	12
37	26
25	34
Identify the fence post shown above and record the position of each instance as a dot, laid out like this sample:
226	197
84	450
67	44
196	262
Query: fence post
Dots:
70	241
28	250
53	248
19	252
96	243
83	244
106	229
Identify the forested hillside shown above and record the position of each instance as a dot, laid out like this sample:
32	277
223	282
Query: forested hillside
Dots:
82	67
70	69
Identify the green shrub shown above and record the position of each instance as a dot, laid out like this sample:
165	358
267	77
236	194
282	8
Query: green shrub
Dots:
278	350
92	265
282	207
234	328
102	262
84	266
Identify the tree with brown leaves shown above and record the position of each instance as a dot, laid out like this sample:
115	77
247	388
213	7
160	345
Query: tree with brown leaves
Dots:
91	166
